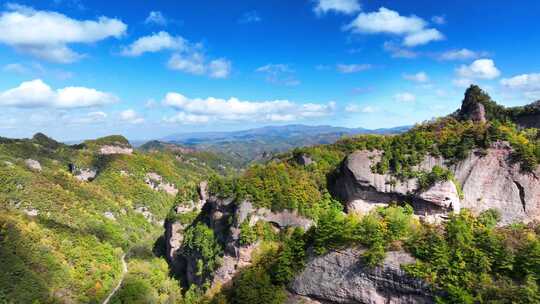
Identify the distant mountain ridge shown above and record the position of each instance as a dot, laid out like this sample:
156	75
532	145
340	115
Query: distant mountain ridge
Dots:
281	131
260	143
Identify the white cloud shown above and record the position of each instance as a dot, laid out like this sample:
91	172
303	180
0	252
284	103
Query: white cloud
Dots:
219	68
156	17
338	6
279	74
420	77
479	69
155	43
187	119
386	21
523	82
36	93
528	84
462	54
438	20
357	109
19	24
405	97
352	68
201	110
250	17
130	116
423	37
192	64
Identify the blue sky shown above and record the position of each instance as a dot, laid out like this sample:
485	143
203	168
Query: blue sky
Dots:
78	69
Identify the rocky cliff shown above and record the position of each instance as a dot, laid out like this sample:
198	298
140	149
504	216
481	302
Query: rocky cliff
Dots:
224	217
488	180
341	277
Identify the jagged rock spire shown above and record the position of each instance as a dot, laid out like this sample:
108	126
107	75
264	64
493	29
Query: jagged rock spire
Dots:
472	107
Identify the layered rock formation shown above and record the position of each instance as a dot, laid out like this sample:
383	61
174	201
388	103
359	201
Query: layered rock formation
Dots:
342	277
488	180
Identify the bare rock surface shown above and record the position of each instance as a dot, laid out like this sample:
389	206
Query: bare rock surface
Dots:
488	180
342	277
83	174
156	182
33	165
111	150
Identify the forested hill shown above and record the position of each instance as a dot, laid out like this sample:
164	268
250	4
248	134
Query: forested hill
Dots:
446	212
68	214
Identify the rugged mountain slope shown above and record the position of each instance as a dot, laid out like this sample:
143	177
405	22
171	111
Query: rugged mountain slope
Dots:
430	222
499	171
68	213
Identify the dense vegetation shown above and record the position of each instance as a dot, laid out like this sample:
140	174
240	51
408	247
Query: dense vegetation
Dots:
61	239
467	260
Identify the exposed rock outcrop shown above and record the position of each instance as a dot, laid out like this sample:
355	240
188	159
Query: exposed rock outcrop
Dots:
342	277
224	217
83	174
488	180
303	159
33	165
156	182
111	150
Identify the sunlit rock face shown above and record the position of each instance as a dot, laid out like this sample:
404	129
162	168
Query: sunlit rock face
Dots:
488	180
342	277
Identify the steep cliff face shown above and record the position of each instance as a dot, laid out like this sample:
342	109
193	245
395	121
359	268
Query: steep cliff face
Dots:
224	217
488	180
341	277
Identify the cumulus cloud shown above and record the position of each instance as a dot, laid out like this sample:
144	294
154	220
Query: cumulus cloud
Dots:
338	6
385	21
279	74
36	93
420	77
250	17
462	54
192	64
352	68
196	64
18	26
130	116
405	97
479	69
219	68
422	37
528	84
202	110
155	43
156	17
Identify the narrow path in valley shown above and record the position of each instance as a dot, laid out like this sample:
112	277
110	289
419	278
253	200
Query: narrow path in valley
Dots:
124	271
